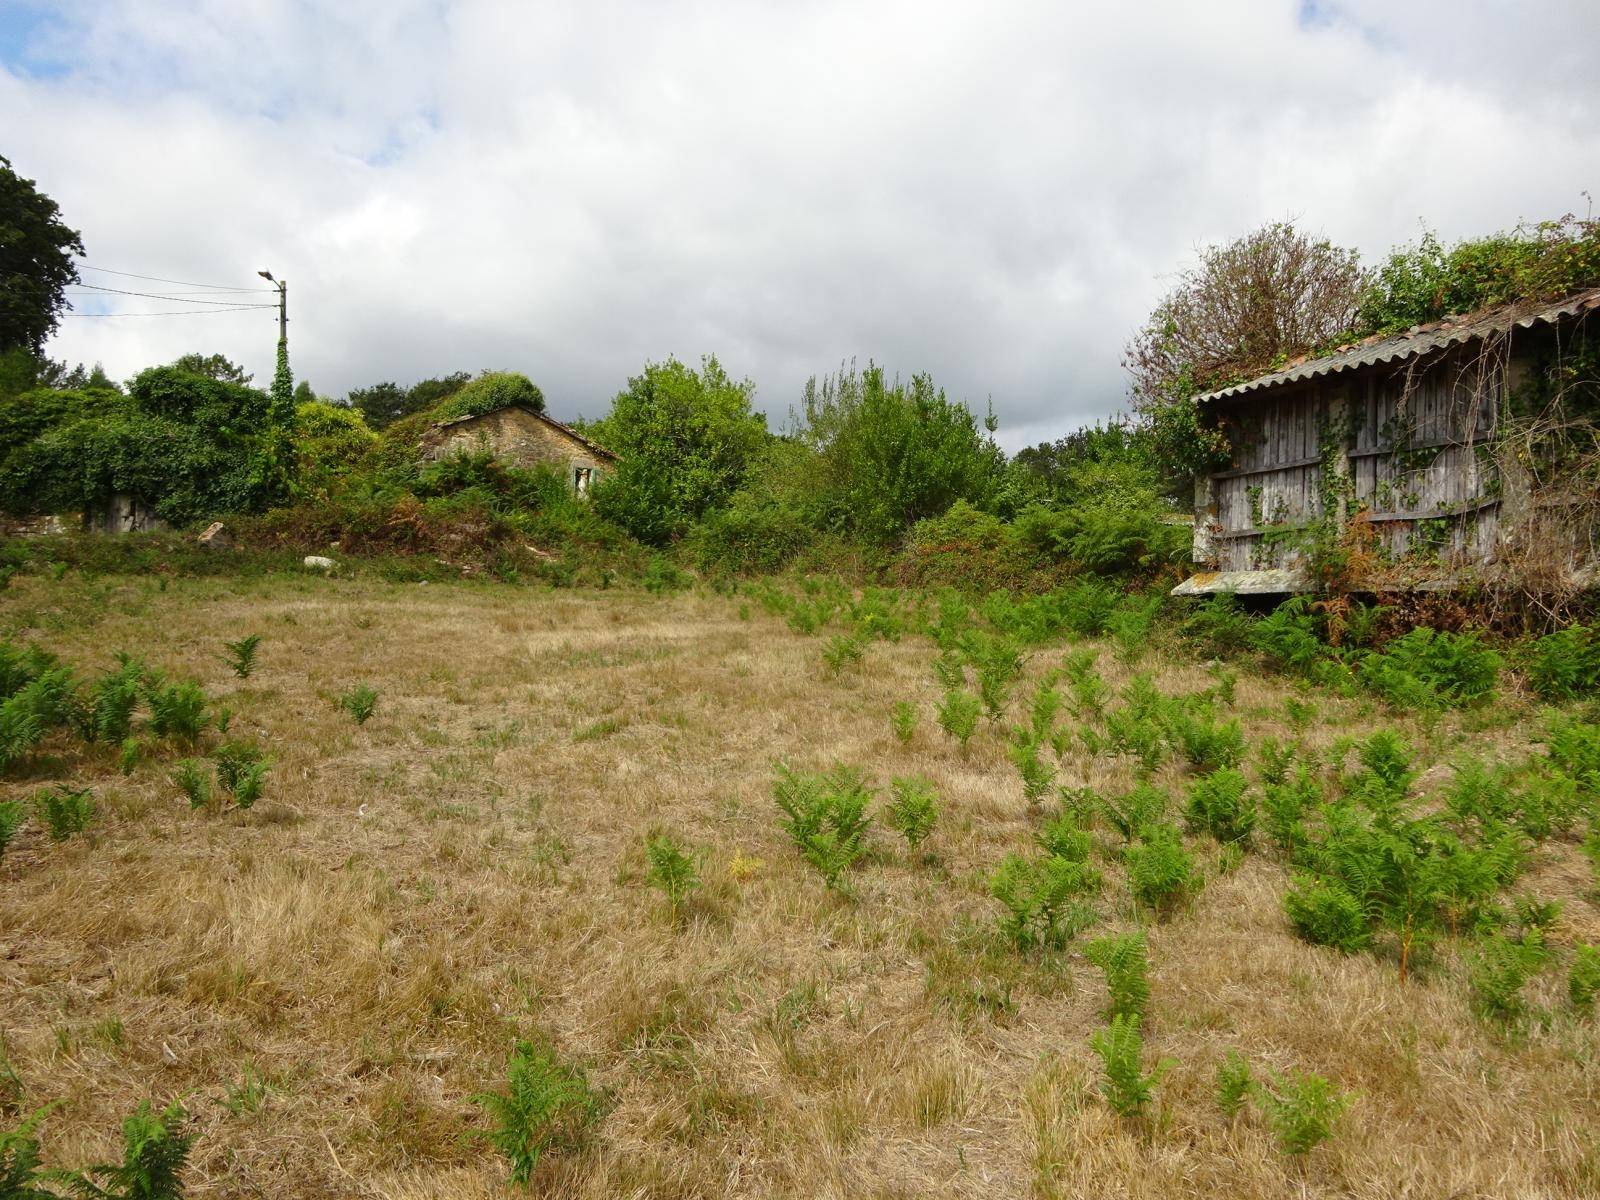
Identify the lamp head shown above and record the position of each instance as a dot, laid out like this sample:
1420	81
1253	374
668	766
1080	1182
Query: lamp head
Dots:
267	275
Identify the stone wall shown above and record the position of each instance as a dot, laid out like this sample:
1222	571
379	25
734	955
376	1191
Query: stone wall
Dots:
520	439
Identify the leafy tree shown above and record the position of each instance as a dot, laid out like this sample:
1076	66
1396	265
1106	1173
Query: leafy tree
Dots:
687	440
382	404
1274	292
213	366
1425	282
36	264
892	454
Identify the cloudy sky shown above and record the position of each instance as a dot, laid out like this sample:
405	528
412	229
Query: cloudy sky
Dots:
993	192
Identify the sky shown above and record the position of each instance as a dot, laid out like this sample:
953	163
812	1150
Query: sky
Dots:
996	193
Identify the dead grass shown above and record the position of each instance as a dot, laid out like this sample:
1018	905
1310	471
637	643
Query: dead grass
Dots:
467	868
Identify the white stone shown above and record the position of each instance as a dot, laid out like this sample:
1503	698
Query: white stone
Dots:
318	563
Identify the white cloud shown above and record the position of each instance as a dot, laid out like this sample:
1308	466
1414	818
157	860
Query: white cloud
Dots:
996	194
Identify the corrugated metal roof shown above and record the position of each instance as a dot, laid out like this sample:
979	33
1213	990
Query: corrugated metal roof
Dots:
1423	339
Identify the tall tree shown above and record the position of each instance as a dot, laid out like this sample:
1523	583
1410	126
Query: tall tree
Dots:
1276	291
213	366
36	264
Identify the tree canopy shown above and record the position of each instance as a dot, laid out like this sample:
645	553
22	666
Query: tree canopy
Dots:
36	252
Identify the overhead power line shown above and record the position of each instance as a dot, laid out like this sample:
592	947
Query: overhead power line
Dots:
158	279
176	312
174	296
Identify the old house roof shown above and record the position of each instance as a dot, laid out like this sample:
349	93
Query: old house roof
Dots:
593	447
1419	340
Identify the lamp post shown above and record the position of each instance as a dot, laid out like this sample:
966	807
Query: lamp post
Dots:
283	303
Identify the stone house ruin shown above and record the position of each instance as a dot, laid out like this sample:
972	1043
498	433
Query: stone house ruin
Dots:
522	437
1444	454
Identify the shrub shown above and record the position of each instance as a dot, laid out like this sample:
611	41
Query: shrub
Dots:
1219	805
1125	960
913	811
1127	1089
1325	914
241	655
958	715
360	701
1233	1083
1583	979
1301	1109
671	870
489	392
547	1106
663	576
64	811
1432	668
1565	664
1039	899
1161	872
904	721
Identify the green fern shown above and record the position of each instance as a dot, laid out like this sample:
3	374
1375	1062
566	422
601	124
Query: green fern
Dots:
64	811
1130	813
1161	872
1220	804
1583	979
547	1106
193	781
1302	1109
958	715
671	870
1038	776
155	1149
913	811
1233	1083
1040	898
360	701
12	815
1124	1083
1125	960
241	655
1499	971
904	721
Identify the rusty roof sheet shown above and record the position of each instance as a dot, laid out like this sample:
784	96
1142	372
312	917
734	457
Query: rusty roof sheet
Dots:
1423	339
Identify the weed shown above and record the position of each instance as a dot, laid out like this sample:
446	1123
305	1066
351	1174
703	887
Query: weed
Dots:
1325	914
958	715
241	655
826	816
1302	1109
1131	813
193	781
1125	960
1042	711
1233	1083
64	811
1161	872
241	771
1583	979
248	1095
1285	805
1038	776
155	1147
547	1106
904	721
1124	1083
1430	668
843	650
1500	969
913	811
671	870
359	701
1219	805
1565	664
177	710
1204	743
1038	896
11	817
1062	838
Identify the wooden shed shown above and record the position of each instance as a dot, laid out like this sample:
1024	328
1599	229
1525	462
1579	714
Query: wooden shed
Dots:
1404	434
522	437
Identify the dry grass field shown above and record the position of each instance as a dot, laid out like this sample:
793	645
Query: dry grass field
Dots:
413	894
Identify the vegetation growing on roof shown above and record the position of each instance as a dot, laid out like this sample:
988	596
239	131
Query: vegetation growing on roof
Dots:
490	392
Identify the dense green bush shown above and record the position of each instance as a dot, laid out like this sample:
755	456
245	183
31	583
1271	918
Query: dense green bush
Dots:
1429	668
1565	664
490	392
